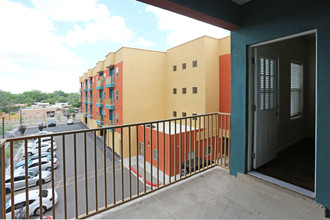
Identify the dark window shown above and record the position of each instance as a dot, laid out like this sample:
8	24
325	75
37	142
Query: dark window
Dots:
184	90
194	63
184	114
194	90
184	66
174	90
194	118
174	113
155	155
174	68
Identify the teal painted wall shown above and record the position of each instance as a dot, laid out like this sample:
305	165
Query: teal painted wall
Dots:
265	20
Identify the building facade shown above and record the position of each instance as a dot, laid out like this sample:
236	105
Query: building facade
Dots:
134	85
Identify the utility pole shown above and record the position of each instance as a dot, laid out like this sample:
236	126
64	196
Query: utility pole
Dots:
3	127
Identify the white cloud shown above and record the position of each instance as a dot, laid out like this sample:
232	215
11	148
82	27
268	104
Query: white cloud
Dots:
112	29
72	10
142	42
31	56
182	28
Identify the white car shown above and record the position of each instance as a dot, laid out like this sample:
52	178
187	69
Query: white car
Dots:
35	141
46	164
33	179
43	132
34	205
45	147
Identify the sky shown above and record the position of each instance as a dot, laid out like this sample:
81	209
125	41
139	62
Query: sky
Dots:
47	44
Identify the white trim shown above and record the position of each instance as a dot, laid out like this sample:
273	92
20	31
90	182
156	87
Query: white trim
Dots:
314	31
283	184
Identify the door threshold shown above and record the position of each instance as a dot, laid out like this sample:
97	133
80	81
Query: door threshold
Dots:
283	184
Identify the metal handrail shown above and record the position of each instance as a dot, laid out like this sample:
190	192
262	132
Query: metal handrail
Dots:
205	137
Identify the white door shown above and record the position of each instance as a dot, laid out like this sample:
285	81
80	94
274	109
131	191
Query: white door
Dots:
265	130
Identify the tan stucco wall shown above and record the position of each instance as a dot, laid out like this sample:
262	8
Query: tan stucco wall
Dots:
143	85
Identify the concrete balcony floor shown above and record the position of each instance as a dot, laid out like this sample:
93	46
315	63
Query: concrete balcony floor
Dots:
214	194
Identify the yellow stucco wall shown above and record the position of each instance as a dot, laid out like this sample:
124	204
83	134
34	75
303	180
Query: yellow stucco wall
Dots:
143	85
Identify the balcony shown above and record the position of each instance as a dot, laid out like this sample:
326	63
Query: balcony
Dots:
109	104
92	179
109	82
99	83
99	119
80	89
90	115
109	122
89	101
99	102
80	100
90	87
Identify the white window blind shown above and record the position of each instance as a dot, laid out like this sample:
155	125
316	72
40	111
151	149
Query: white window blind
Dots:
296	99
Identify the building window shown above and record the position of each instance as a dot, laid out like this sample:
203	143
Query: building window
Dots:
155	154
191	155
116	71
117	95
174	68
194	63
194	90
141	148
184	66
296	99
117	119
174	90
194	118
208	150
174	113
184	90
184	114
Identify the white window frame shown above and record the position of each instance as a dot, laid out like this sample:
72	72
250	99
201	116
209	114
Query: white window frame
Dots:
297	113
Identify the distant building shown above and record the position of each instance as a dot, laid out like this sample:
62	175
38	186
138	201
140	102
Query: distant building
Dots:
134	85
37	113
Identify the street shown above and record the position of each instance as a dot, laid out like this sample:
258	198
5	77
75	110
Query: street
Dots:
92	176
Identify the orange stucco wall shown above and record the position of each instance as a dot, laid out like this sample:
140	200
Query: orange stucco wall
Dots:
224	83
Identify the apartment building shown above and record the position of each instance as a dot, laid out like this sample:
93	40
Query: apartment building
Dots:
133	85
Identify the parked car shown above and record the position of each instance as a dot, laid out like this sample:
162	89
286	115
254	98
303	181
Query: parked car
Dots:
34	157
192	165
42	124
42	140
34	205
69	122
51	114
45	147
33	179
52	123
43	132
46	164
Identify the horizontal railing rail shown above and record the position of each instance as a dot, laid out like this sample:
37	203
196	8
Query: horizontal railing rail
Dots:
88	174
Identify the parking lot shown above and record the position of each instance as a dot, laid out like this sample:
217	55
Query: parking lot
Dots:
94	177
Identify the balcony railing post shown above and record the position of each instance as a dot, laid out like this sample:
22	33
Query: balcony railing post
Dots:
2	175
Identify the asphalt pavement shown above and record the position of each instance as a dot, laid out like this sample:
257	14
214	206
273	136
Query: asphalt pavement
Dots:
78	196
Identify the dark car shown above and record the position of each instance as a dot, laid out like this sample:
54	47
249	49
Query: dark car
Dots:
42	124
192	165
52	123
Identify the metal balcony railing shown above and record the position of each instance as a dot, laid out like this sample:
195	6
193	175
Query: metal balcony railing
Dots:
109	122
99	100
99	83
99	117
109	80
89	179
109	101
